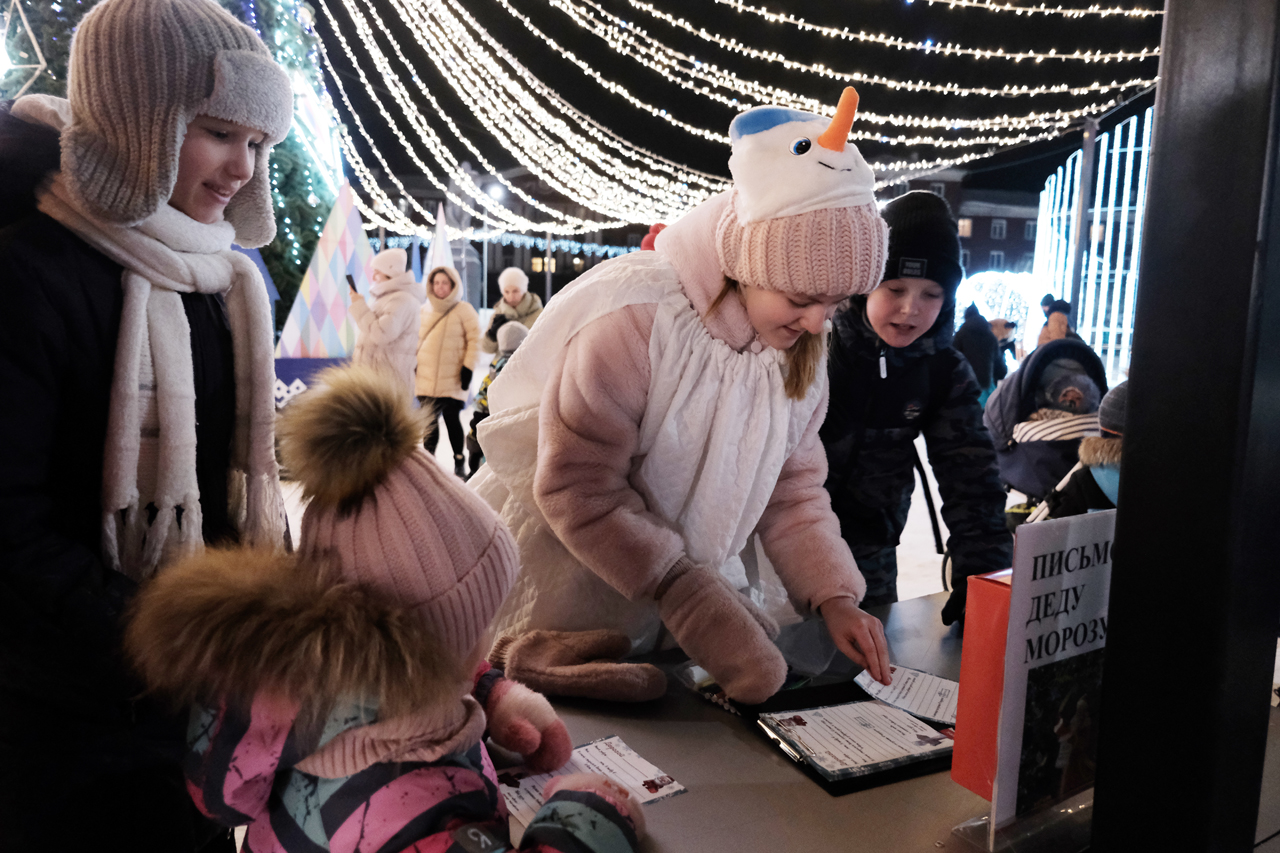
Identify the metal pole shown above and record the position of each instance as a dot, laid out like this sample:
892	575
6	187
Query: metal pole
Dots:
546	268
484	273
1084	198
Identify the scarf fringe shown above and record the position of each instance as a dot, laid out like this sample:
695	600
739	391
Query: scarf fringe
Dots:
165	256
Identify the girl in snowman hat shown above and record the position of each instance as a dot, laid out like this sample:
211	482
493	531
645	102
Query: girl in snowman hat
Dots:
664	411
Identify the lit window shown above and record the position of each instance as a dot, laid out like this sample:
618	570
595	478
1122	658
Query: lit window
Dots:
999	227
938	189
536	263
996	261
1029	230
966	227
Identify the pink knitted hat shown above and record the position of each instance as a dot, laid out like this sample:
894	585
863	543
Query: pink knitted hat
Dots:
391	518
802	215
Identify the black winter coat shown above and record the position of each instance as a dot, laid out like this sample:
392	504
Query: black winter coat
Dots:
869	432
76	740
977	343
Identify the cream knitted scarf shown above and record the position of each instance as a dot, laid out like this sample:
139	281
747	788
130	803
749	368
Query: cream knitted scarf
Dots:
164	256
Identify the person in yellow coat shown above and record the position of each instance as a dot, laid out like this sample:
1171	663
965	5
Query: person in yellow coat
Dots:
448	347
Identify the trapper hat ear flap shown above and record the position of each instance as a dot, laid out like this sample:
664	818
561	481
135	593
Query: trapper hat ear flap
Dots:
140	71
252	90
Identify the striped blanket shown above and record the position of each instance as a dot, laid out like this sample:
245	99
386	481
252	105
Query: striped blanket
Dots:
1057	429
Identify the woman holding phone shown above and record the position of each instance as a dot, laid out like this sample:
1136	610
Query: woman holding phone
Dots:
388	329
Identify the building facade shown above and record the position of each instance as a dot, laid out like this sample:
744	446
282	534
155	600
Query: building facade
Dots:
997	227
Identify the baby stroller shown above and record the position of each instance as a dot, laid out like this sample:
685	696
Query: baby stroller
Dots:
1035	452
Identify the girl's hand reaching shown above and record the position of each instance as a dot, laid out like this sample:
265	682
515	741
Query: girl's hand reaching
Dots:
859	635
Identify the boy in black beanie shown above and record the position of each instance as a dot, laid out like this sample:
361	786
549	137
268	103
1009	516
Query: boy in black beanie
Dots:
895	375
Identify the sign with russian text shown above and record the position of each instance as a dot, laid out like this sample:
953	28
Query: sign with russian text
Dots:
1053	663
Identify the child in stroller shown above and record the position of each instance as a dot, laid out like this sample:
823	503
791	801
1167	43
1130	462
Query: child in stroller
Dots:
1039	414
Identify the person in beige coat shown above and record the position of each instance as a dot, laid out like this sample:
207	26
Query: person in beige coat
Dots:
517	304
448	347
388	338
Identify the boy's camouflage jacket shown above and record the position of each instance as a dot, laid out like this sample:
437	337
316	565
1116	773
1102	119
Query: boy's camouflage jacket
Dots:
928	388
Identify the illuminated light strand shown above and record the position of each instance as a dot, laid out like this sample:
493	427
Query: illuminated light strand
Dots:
905	170
763	94
485	164
850	77
506	238
929	46
396	222
509	221
501	106
460	178
429	137
497	112
1032	10
780	97
651	161
489	79
935	165
595	129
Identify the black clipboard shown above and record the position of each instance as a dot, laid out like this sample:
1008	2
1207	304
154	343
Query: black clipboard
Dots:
803	698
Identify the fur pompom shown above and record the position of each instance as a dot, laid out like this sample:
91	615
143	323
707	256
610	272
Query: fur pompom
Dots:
234	623
342	437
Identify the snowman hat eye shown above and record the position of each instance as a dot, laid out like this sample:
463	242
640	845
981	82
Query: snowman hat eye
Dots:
801	145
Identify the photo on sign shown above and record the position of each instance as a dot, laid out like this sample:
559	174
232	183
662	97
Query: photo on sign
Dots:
1060	730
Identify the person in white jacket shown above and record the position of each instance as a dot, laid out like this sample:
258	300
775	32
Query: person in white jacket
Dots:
663	413
388	329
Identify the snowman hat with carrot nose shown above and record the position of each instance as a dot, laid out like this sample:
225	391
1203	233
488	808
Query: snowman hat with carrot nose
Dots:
802	215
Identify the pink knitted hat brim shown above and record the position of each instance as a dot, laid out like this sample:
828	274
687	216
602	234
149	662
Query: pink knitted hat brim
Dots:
427	542
836	251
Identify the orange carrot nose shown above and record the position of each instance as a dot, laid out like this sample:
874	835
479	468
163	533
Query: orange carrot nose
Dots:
838	131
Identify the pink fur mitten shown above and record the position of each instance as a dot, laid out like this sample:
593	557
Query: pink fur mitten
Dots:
578	663
722	631
602	786
524	721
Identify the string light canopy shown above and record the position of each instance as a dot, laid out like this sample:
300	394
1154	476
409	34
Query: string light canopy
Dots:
924	45
443	86
1042	9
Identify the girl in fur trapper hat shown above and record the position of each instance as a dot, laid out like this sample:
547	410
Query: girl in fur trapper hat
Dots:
350	677
664	412
388	336
138	361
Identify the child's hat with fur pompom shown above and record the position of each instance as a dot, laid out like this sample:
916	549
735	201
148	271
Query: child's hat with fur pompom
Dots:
387	513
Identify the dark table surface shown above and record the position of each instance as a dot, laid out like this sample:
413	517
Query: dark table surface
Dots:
744	795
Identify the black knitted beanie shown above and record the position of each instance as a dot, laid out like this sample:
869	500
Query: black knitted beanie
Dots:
923	240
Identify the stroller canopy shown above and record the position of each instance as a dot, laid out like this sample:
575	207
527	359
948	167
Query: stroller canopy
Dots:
1024	390
1035	466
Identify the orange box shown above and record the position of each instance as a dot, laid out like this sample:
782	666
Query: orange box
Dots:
986	627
